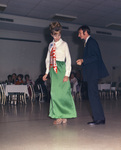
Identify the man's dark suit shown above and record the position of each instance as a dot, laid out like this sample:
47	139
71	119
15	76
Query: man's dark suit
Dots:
94	69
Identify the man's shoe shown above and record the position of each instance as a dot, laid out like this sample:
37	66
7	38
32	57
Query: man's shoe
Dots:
98	122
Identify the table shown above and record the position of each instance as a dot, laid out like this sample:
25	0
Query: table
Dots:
104	86
18	89
104	89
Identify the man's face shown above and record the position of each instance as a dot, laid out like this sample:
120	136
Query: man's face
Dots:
13	76
82	35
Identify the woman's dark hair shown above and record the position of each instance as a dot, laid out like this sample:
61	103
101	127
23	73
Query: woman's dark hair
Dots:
20	75
14	74
85	28
9	76
27	76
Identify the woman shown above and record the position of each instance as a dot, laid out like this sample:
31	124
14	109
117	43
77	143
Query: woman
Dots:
62	104
20	80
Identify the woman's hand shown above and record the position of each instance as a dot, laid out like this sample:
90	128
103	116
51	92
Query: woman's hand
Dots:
44	77
65	79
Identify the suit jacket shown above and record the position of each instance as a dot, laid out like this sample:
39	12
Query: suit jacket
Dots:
93	66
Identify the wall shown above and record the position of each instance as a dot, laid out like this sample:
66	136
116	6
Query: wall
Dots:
21	56
111	53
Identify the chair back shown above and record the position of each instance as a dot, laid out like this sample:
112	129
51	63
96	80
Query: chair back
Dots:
113	84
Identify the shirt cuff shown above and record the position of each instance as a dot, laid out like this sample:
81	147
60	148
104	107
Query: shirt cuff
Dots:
47	71
67	74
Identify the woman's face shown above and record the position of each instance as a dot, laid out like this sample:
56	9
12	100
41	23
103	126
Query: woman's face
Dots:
19	78
56	36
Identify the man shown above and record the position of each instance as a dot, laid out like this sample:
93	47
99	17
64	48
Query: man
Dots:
93	69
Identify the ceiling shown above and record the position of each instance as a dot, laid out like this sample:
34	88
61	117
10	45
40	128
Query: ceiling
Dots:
96	13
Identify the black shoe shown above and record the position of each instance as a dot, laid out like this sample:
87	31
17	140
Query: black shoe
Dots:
97	122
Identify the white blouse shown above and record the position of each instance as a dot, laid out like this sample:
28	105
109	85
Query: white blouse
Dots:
62	54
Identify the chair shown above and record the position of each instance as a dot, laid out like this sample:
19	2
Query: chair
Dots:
39	93
74	89
78	91
13	98
2	94
31	92
104	90
119	89
113	90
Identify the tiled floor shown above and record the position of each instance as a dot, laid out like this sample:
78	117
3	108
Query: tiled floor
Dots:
28	127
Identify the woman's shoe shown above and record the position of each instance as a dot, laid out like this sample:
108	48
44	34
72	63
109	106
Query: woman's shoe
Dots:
58	121
64	121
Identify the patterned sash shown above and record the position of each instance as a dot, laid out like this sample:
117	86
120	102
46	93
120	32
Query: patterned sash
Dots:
53	58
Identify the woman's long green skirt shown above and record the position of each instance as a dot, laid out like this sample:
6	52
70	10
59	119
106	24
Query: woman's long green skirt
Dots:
61	103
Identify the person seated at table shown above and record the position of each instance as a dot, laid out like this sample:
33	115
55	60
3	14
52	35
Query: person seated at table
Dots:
14	78
20	80
9	81
28	81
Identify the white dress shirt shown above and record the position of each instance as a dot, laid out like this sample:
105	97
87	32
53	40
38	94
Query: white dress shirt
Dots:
62	54
87	39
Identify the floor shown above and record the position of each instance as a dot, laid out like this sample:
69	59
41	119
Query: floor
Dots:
28	127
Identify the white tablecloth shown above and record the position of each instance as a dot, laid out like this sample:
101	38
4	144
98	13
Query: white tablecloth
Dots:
16	89
104	86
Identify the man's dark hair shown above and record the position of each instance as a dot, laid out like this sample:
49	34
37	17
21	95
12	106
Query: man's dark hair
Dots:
85	28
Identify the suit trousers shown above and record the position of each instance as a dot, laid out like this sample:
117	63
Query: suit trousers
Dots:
94	99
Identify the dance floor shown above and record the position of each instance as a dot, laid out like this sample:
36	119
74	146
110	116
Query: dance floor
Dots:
28	127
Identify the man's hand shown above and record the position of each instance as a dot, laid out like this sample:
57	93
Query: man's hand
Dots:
79	62
65	79
44	77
